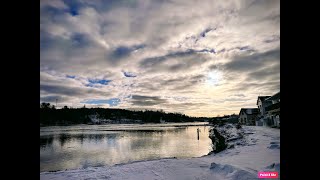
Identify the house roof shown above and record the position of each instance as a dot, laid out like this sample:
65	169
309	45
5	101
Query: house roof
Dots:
274	97
262	98
249	111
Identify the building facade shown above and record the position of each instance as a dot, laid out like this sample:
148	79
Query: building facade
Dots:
247	116
262	103
273	110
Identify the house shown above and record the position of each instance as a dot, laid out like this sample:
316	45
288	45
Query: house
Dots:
262	103
273	110
269	108
94	118
248	116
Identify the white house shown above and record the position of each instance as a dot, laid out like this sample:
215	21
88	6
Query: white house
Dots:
262	103
248	116
273	110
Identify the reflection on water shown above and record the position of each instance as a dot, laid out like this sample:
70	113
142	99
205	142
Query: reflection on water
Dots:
84	145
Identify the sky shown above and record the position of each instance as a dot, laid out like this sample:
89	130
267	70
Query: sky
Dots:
197	57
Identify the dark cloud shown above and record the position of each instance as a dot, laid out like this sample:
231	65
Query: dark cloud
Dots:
153	61
53	98
272	39
203	34
215	66
196	38
70	76
246	48
179	61
124	51
268	73
256	68
174	81
129	74
187	83
102	6
252	62
182	87
174	84
148	86
80	40
270	86
147	100
198	77
71	91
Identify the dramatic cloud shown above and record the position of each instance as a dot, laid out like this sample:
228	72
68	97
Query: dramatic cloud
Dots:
255	61
202	58
147	100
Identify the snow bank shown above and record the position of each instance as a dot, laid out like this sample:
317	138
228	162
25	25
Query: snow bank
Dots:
230	172
232	136
254	152
160	169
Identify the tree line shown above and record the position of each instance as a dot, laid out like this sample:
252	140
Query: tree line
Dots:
49	115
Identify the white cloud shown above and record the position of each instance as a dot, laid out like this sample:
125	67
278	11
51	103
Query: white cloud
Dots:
151	39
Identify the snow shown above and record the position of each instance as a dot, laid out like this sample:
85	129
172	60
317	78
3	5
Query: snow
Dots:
259	150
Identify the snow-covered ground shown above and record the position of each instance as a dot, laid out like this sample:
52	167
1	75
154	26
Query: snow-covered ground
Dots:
258	151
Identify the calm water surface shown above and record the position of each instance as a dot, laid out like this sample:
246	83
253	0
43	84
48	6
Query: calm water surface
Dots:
71	147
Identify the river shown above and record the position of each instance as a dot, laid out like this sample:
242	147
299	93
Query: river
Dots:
81	146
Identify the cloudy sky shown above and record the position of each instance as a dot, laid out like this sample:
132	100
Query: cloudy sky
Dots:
198	57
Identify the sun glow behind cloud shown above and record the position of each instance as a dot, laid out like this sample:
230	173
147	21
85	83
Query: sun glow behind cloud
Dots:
214	78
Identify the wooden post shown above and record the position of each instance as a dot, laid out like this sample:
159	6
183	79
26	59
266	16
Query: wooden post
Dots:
198	132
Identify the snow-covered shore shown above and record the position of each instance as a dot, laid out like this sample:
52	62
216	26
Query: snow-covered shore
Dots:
260	152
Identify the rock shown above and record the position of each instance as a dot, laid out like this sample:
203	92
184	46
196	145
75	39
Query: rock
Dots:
274	146
218	141
213	165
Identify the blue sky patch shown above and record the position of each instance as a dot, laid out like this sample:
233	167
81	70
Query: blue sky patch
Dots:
112	102
97	82
73	6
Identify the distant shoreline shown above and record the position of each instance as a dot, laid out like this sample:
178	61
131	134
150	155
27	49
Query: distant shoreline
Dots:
208	124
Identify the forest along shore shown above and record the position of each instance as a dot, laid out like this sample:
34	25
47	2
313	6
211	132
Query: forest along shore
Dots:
50	116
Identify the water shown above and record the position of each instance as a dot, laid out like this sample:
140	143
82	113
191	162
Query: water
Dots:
81	146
